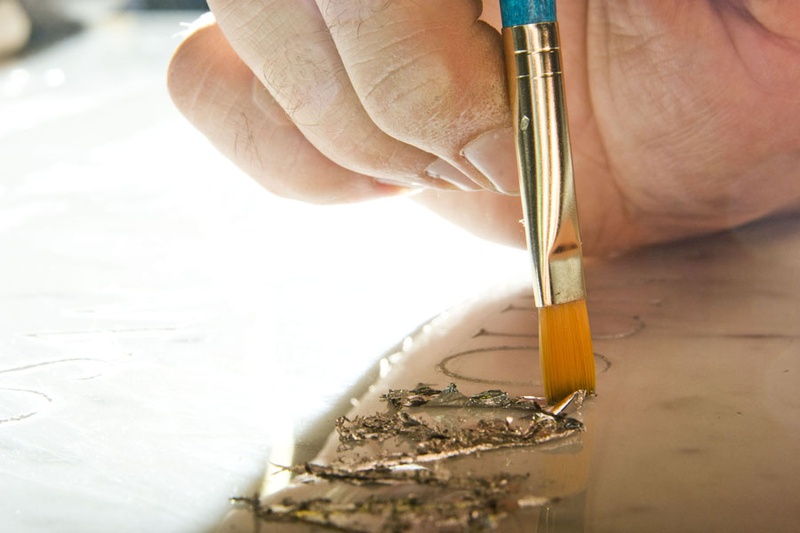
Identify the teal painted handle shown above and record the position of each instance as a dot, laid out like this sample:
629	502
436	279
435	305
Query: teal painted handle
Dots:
519	12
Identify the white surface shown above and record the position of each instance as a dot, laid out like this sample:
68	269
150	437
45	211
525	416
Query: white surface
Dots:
160	315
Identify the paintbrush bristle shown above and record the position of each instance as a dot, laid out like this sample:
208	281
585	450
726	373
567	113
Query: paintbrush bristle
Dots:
565	349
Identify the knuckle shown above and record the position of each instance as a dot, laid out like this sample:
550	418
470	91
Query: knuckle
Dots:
412	97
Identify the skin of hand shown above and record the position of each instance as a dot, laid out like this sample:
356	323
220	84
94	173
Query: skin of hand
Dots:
684	114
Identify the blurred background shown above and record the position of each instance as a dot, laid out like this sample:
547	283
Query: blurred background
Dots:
167	327
29	24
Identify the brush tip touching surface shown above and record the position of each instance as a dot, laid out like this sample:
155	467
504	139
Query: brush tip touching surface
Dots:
519	12
565	349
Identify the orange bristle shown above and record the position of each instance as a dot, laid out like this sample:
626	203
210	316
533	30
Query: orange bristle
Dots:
565	350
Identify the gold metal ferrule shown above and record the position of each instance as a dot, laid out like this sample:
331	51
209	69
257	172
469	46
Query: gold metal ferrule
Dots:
544	158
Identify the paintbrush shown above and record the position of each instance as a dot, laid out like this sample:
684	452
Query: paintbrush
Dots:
536	93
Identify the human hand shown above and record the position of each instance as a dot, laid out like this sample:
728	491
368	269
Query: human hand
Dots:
684	116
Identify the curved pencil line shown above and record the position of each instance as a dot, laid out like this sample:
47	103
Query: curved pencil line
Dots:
604	366
483	332
638	326
23	416
442	366
95	331
49	363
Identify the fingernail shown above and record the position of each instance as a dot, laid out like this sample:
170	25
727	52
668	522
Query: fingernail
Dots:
442	170
206	19
493	154
416	183
401	189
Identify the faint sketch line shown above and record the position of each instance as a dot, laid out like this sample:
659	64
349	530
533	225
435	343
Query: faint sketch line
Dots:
95	331
749	336
638	326
514	307
34	367
23	416
483	332
442	366
602	364
48	363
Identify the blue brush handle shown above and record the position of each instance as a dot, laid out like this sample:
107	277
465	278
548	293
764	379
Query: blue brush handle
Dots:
519	12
